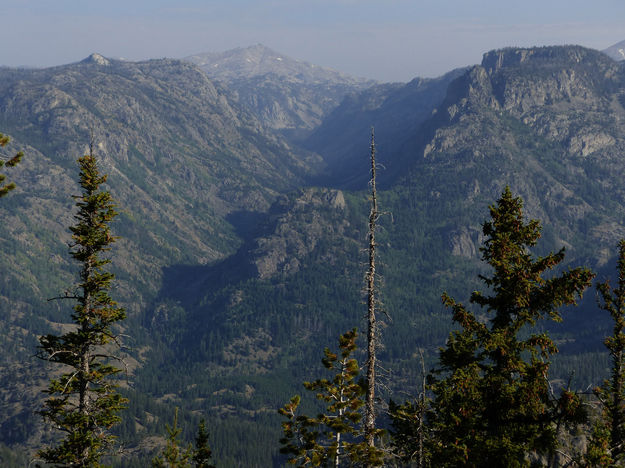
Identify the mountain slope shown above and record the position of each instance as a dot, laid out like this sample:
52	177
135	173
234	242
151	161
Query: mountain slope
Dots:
616	51
395	111
182	156
286	94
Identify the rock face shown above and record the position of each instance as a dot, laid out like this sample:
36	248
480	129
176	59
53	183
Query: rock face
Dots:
300	223
285	93
548	121
97	59
465	242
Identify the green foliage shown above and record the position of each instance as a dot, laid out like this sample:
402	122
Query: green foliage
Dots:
336	435
4	187
492	401
173	455
202	452
409	431
83	402
606	444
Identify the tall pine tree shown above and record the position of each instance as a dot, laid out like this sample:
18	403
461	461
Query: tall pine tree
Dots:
202	452
83	402
492	401
173	455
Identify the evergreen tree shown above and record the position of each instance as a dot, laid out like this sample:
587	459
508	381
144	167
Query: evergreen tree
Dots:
4	187
173	456
83	401
492	401
338	435
606	446
202	453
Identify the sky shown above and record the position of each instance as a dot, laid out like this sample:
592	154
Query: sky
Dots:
387	40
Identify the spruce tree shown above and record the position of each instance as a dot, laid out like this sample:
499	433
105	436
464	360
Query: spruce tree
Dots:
492	401
337	436
606	446
173	455
83	401
4	187
202	452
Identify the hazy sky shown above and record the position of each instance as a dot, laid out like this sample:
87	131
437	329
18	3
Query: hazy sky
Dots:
389	40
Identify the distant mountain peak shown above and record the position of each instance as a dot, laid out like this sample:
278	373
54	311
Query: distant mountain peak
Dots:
286	93
97	59
616	51
258	60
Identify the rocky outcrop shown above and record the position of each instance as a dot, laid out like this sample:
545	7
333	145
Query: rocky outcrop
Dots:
465	242
300	223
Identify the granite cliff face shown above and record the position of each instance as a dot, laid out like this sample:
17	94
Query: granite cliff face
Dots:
301	222
547	121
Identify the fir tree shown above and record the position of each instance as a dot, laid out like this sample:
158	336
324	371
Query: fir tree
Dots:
173	455
202	452
492	401
83	401
337	435
4	187
606	446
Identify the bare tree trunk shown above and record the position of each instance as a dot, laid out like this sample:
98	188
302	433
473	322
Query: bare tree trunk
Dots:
337	455
422	404
371	330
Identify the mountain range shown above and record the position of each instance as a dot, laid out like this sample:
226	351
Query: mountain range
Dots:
242	182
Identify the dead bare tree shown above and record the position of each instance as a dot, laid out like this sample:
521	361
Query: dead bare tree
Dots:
369	423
